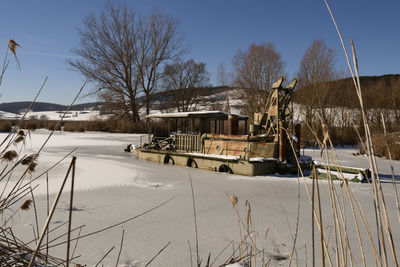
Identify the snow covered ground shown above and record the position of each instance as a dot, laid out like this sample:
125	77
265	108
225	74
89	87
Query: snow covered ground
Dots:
112	186
78	115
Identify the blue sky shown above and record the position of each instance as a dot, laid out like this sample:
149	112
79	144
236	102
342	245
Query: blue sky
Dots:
213	29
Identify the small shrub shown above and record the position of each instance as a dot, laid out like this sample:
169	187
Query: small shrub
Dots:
44	117
380	147
33	117
5	126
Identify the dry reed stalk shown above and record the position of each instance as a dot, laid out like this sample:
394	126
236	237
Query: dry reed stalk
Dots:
19	139
366	226
29	159
310	201
13	45
190	253
117	224
376	214
108	252
294	237
15	247
286	248
320	221
345	182
391	168
52	230
26	205
220	253
342	211
21	133
161	250
9	201
17	198
251	229
53	166
120	248
76	243
294	251
32	260
70	209
198	261
18	185
371	158
232	259
343	214
2	172
241	222
234	200
48	211
9	156
386	220
314	177
35	211
336	211
17	126
31	167
61	235
332	195
4	67
4	201
356	224
241	250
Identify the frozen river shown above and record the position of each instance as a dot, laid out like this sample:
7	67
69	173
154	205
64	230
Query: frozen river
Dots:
112	185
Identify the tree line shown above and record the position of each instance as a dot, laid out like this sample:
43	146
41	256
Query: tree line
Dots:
129	57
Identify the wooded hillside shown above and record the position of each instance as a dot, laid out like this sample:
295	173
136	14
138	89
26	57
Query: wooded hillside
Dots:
378	92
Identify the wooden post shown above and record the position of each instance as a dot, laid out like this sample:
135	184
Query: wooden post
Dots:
282	143
53	208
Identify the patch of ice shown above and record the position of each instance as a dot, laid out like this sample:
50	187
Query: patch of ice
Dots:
151	185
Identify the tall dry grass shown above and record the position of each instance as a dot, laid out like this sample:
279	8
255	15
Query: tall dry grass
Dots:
335	203
18	194
362	232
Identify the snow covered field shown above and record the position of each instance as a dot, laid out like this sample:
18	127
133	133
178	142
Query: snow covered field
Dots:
112	186
78	115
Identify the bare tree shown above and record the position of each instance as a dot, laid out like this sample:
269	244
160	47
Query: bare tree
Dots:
122	53
255	71
224	78
317	71
184	79
158	43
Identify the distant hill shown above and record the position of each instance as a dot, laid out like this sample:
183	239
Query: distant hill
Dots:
377	91
208	96
18	107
